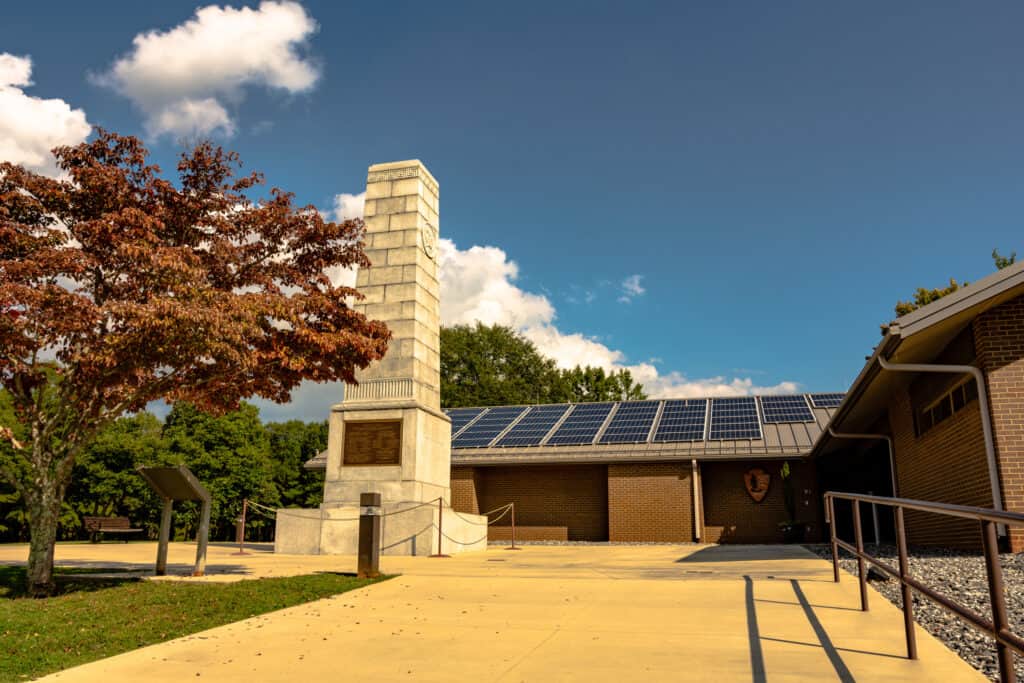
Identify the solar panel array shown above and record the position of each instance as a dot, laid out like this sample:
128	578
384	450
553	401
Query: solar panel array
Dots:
682	420
776	409
532	429
462	417
631	423
482	432
734	418
581	426
826	400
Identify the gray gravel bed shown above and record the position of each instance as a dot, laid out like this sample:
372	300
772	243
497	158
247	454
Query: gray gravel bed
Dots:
961	576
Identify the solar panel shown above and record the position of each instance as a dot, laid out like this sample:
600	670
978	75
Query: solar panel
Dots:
776	409
734	418
826	400
534	427
582	424
631	422
462	417
682	420
483	431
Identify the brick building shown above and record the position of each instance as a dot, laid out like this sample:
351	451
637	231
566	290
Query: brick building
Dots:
639	471
913	424
920	394
642	471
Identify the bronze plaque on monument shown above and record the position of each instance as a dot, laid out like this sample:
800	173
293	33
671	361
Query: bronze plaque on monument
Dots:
373	443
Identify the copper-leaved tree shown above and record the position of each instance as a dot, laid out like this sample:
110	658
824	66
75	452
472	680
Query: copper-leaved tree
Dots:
119	287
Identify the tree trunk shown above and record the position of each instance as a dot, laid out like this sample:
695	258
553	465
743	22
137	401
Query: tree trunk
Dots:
43	513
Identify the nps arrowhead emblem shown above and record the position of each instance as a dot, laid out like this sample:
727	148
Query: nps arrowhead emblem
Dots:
757	482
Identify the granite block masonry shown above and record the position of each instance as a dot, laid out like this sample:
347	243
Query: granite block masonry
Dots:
389	435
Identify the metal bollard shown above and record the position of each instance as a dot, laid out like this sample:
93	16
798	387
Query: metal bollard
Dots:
368	566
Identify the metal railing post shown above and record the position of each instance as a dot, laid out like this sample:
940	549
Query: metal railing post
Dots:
874	521
1000	619
831	511
905	591
862	574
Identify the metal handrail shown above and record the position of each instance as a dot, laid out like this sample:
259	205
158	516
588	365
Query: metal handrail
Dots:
997	628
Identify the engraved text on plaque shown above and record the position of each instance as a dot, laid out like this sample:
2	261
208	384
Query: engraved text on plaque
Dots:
373	443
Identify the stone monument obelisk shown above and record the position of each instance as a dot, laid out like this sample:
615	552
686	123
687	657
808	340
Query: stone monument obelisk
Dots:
388	435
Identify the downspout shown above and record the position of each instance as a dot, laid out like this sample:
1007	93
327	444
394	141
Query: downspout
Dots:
892	470
698	504
986	419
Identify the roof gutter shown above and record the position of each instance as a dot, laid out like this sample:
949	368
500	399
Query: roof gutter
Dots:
986	419
873	437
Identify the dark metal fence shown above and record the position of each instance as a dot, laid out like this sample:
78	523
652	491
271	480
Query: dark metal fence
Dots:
997	628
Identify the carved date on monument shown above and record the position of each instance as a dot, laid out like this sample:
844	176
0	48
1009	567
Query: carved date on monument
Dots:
373	443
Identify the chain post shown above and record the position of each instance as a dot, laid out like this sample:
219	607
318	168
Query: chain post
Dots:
240	529
440	533
513	528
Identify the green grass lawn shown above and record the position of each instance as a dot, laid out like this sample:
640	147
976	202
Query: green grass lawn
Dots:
89	619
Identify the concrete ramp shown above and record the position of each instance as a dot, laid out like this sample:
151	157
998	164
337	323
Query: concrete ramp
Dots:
613	613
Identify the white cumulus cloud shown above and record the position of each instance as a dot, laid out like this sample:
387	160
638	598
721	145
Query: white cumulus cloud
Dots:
348	206
181	78
478	284
31	126
191	117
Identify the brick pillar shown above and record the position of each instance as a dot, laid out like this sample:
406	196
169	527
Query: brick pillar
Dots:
466	489
999	342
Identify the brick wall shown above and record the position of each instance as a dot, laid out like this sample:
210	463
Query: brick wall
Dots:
465	483
553	502
999	341
946	464
732	516
650	502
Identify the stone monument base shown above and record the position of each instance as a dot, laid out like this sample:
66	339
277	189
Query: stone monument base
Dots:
407	528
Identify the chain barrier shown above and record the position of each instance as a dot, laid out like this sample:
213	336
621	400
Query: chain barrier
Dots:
483	538
505	509
271	513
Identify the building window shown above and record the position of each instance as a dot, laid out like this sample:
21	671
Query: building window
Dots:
953	401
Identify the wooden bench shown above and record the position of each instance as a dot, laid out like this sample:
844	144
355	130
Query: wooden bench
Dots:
109	525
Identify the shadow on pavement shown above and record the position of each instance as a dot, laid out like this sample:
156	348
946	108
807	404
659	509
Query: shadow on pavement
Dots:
746	553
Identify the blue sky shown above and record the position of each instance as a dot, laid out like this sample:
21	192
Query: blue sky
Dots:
723	196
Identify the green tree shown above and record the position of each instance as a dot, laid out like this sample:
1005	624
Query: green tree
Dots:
292	443
488	365
105	481
1003	261
924	296
594	384
229	454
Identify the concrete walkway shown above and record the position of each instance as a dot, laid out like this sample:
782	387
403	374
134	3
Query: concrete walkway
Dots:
691	613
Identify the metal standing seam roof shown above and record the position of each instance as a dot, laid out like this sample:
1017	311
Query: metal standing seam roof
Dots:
777	439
